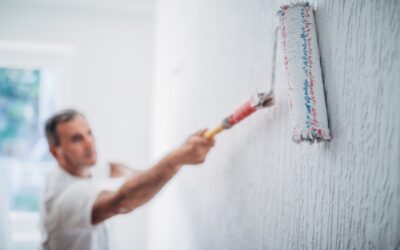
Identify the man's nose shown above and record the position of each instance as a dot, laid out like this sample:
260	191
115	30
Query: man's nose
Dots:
89	142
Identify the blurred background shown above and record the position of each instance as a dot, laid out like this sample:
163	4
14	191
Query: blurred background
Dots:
148	73
96	56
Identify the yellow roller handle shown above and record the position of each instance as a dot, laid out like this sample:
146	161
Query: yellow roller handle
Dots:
213	132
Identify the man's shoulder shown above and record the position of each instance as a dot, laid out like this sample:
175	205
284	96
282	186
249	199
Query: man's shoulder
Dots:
102	170
57	179
59	183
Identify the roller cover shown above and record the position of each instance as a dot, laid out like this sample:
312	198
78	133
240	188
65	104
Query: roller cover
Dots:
303	73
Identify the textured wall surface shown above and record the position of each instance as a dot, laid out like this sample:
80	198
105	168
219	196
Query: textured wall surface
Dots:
259	190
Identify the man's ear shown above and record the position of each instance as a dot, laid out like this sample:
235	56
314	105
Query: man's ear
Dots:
54	151
57	153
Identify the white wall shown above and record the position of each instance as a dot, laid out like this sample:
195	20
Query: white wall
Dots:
106	73
259	190
110	71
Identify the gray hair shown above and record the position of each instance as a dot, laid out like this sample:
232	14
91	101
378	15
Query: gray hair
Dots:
59	117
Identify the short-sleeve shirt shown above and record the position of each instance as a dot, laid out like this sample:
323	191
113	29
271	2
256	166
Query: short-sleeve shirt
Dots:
67	211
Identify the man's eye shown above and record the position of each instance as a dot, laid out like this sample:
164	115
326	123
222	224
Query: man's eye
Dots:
76	138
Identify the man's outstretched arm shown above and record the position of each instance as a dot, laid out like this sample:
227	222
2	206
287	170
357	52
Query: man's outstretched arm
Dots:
141	188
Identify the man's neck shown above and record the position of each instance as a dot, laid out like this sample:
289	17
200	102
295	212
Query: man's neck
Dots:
78	172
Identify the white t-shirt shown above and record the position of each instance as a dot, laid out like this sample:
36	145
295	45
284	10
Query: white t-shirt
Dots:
67	210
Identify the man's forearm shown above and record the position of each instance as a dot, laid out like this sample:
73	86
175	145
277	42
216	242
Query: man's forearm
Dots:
144	186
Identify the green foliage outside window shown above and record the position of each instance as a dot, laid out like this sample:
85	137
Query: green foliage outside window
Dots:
19	104
19	133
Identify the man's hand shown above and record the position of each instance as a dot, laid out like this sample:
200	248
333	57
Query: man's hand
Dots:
194	150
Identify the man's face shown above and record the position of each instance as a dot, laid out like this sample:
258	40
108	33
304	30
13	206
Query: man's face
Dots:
77	145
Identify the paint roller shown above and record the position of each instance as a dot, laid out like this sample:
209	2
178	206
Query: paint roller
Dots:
303	73
256	102
303	76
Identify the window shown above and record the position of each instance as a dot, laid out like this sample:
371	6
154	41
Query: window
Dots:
25	95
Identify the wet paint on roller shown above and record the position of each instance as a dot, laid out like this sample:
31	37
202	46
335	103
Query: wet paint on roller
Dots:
303	73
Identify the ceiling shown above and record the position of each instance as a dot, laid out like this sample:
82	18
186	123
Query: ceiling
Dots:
118	5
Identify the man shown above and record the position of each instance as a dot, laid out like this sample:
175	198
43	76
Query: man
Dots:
76	205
